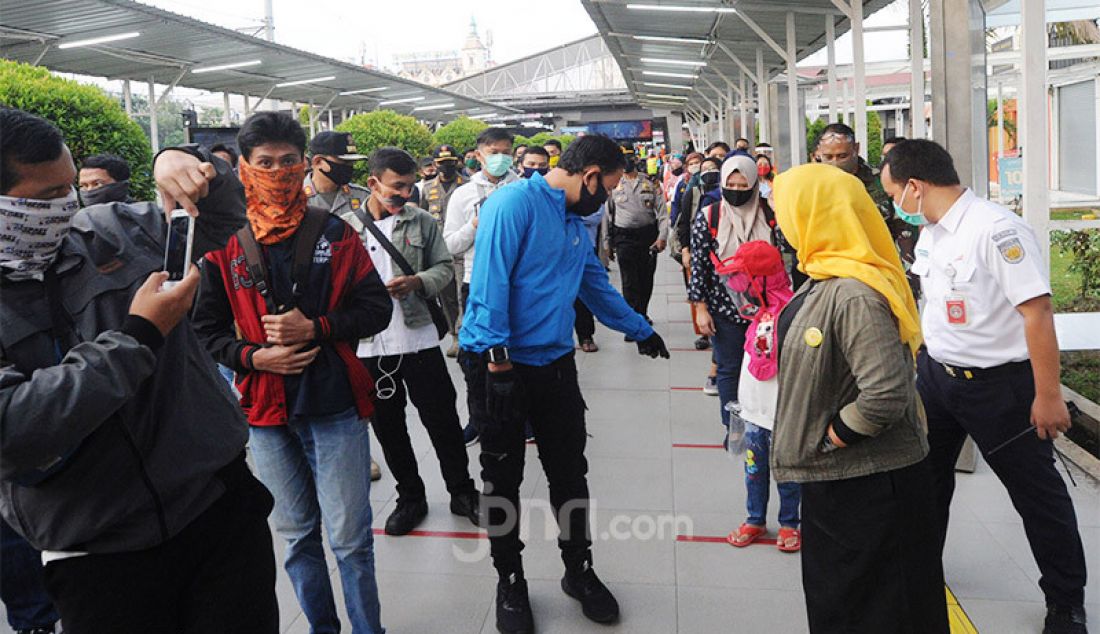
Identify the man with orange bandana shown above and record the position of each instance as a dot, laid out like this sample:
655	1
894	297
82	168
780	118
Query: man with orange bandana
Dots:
299	309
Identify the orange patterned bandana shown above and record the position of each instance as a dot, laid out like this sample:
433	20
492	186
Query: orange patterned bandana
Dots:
275	199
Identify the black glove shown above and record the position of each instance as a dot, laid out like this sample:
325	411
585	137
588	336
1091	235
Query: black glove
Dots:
501	396
653	347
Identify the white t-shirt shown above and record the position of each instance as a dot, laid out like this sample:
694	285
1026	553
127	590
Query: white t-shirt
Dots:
397	338
758	399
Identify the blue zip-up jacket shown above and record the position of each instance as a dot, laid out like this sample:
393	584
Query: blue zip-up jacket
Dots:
532	263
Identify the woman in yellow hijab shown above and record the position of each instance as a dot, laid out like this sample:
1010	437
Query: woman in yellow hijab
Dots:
849	424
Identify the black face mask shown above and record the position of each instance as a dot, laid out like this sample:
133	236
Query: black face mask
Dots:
677	171
589	203
339	174
737	197
528	172
447	169
118	192
709	179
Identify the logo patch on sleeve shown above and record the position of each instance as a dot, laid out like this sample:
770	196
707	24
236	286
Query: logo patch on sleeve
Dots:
1011	250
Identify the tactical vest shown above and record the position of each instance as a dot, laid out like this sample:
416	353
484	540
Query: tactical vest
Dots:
434	196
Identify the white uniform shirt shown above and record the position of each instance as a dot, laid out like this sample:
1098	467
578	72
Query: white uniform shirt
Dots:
977	264
397	338
458	228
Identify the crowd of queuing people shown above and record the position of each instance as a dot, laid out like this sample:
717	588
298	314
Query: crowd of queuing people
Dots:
127	501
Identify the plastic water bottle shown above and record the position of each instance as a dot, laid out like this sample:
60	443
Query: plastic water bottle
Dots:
735	433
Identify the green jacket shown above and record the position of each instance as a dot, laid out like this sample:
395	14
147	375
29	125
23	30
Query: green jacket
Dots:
420	241
860	372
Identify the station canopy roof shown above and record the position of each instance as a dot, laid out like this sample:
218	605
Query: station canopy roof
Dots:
671	49
146	42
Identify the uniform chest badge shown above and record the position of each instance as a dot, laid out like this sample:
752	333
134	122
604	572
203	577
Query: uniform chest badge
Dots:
355	203
309	190
813	337
1011	250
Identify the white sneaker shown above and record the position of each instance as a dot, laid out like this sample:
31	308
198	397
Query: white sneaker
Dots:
710	387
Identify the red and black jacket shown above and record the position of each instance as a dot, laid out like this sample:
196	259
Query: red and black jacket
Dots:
343	295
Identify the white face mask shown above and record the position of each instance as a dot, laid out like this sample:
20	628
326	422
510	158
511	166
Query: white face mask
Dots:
31	233
694	168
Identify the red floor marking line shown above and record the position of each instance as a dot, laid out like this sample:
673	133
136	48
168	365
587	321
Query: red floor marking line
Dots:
709	539
686	389
688	445
449	534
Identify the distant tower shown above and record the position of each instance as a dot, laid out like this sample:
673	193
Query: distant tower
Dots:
475	55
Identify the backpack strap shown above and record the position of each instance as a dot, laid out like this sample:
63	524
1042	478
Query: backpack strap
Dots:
254	261
712	218
305	242
773	224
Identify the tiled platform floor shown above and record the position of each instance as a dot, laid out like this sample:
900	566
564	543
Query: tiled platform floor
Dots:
640	477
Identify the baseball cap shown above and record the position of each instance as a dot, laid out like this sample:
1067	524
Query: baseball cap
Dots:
757	258
445	153
338	144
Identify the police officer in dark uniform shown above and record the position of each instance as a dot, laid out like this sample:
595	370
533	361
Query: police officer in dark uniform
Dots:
328	184
638	231
435	193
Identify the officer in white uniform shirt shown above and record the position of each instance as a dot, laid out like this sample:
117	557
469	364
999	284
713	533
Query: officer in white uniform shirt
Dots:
991	368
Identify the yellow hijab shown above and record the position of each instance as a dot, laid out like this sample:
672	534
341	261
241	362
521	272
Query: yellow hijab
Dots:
828	217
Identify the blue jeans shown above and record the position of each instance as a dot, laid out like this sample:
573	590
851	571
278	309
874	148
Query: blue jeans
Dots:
319	469
758	448
729	350
22	588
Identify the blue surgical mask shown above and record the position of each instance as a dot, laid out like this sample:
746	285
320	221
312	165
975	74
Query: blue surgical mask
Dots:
497	164
916	219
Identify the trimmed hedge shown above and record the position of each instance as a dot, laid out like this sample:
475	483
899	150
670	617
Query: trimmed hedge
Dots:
91	121
461	133
381	128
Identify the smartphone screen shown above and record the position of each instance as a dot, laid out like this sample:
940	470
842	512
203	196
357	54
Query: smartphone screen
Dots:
177	245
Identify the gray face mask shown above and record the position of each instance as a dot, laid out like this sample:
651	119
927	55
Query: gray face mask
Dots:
110	193
31	233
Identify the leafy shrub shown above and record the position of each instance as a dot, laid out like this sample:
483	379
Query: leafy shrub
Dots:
381	128
91	121
461	133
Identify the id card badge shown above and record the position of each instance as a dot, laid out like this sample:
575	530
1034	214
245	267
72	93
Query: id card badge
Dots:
958	313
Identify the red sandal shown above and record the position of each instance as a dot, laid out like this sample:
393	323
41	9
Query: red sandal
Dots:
789	534
745	535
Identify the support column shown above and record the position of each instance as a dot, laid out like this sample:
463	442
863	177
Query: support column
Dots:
312	120
745	132
127	98
1000	134
952	114
762	102
225	101
830	44
729	134
247	105
330	124
858	71
154	132
1032	113
795	119
916	67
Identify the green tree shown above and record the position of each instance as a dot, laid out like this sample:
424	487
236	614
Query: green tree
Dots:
382	128
170	129
1085	247
813	133
91	121
461	133
211	116
874	137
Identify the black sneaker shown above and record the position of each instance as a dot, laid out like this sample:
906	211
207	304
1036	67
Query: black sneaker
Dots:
1065	620
514	607
470	435
467	505
406	517
597	602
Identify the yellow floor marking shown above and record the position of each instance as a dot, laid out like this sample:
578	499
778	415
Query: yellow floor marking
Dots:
956	615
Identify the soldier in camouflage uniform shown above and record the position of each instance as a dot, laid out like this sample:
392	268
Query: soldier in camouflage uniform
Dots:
837	146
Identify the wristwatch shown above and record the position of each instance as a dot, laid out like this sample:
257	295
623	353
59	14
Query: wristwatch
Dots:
498	355
827	445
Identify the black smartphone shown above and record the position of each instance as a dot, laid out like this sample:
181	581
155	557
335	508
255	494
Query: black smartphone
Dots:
178	246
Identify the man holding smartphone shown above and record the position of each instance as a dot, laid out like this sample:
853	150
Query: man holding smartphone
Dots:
123	449
298	284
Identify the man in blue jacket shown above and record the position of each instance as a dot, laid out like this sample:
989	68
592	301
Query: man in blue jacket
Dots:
517	349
